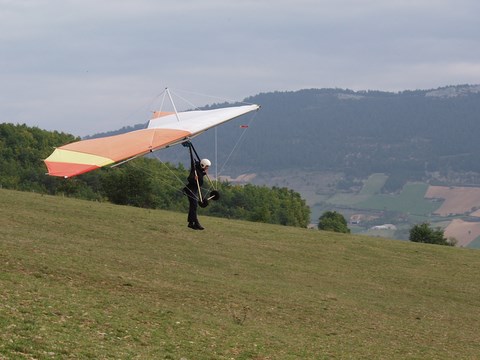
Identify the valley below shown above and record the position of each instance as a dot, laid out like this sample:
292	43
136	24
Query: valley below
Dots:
370	211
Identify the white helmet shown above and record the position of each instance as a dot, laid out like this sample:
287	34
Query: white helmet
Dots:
205	163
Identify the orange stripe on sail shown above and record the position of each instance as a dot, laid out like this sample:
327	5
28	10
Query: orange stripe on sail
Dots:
124	146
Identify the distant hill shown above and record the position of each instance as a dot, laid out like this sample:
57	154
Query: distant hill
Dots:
364	132
417	134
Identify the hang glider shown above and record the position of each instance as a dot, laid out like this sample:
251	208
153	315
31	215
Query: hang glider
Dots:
164	130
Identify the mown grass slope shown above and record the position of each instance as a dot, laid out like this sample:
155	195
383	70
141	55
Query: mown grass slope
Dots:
84	280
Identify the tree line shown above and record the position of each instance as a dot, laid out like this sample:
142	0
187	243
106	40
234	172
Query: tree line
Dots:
421	233
143	182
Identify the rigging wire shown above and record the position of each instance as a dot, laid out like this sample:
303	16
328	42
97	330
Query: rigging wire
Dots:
141	110
216	157
163	180
187	101
163	99
211	97
238	141
217	172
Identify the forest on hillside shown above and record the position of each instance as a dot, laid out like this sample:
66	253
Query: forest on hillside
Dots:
411	135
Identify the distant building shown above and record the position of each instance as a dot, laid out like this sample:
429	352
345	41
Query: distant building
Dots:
356	219
359	218
384	227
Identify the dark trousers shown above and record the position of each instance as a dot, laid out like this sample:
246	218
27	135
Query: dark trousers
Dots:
193	204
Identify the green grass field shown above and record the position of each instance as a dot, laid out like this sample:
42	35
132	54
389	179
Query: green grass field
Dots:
86	280
410	200
370	188
374	184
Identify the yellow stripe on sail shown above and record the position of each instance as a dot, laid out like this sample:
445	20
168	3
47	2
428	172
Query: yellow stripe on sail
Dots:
74	157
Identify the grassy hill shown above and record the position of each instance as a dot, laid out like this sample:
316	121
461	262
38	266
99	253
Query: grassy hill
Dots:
84	280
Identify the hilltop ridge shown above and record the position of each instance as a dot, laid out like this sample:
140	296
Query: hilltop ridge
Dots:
414	134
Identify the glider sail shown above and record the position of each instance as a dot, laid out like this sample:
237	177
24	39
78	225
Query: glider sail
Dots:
164	129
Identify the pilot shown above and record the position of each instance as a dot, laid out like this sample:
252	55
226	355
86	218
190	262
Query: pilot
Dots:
198	169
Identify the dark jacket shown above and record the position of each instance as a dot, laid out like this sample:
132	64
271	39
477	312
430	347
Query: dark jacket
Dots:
192	184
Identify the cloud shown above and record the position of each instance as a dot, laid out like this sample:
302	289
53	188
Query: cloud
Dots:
79	66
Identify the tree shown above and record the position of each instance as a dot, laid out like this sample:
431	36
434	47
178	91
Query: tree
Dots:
128	185
423	233
333	221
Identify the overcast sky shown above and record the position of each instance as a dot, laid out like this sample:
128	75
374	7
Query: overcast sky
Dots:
86	66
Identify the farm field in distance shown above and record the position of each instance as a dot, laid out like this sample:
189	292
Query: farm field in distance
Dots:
454	209
370	212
